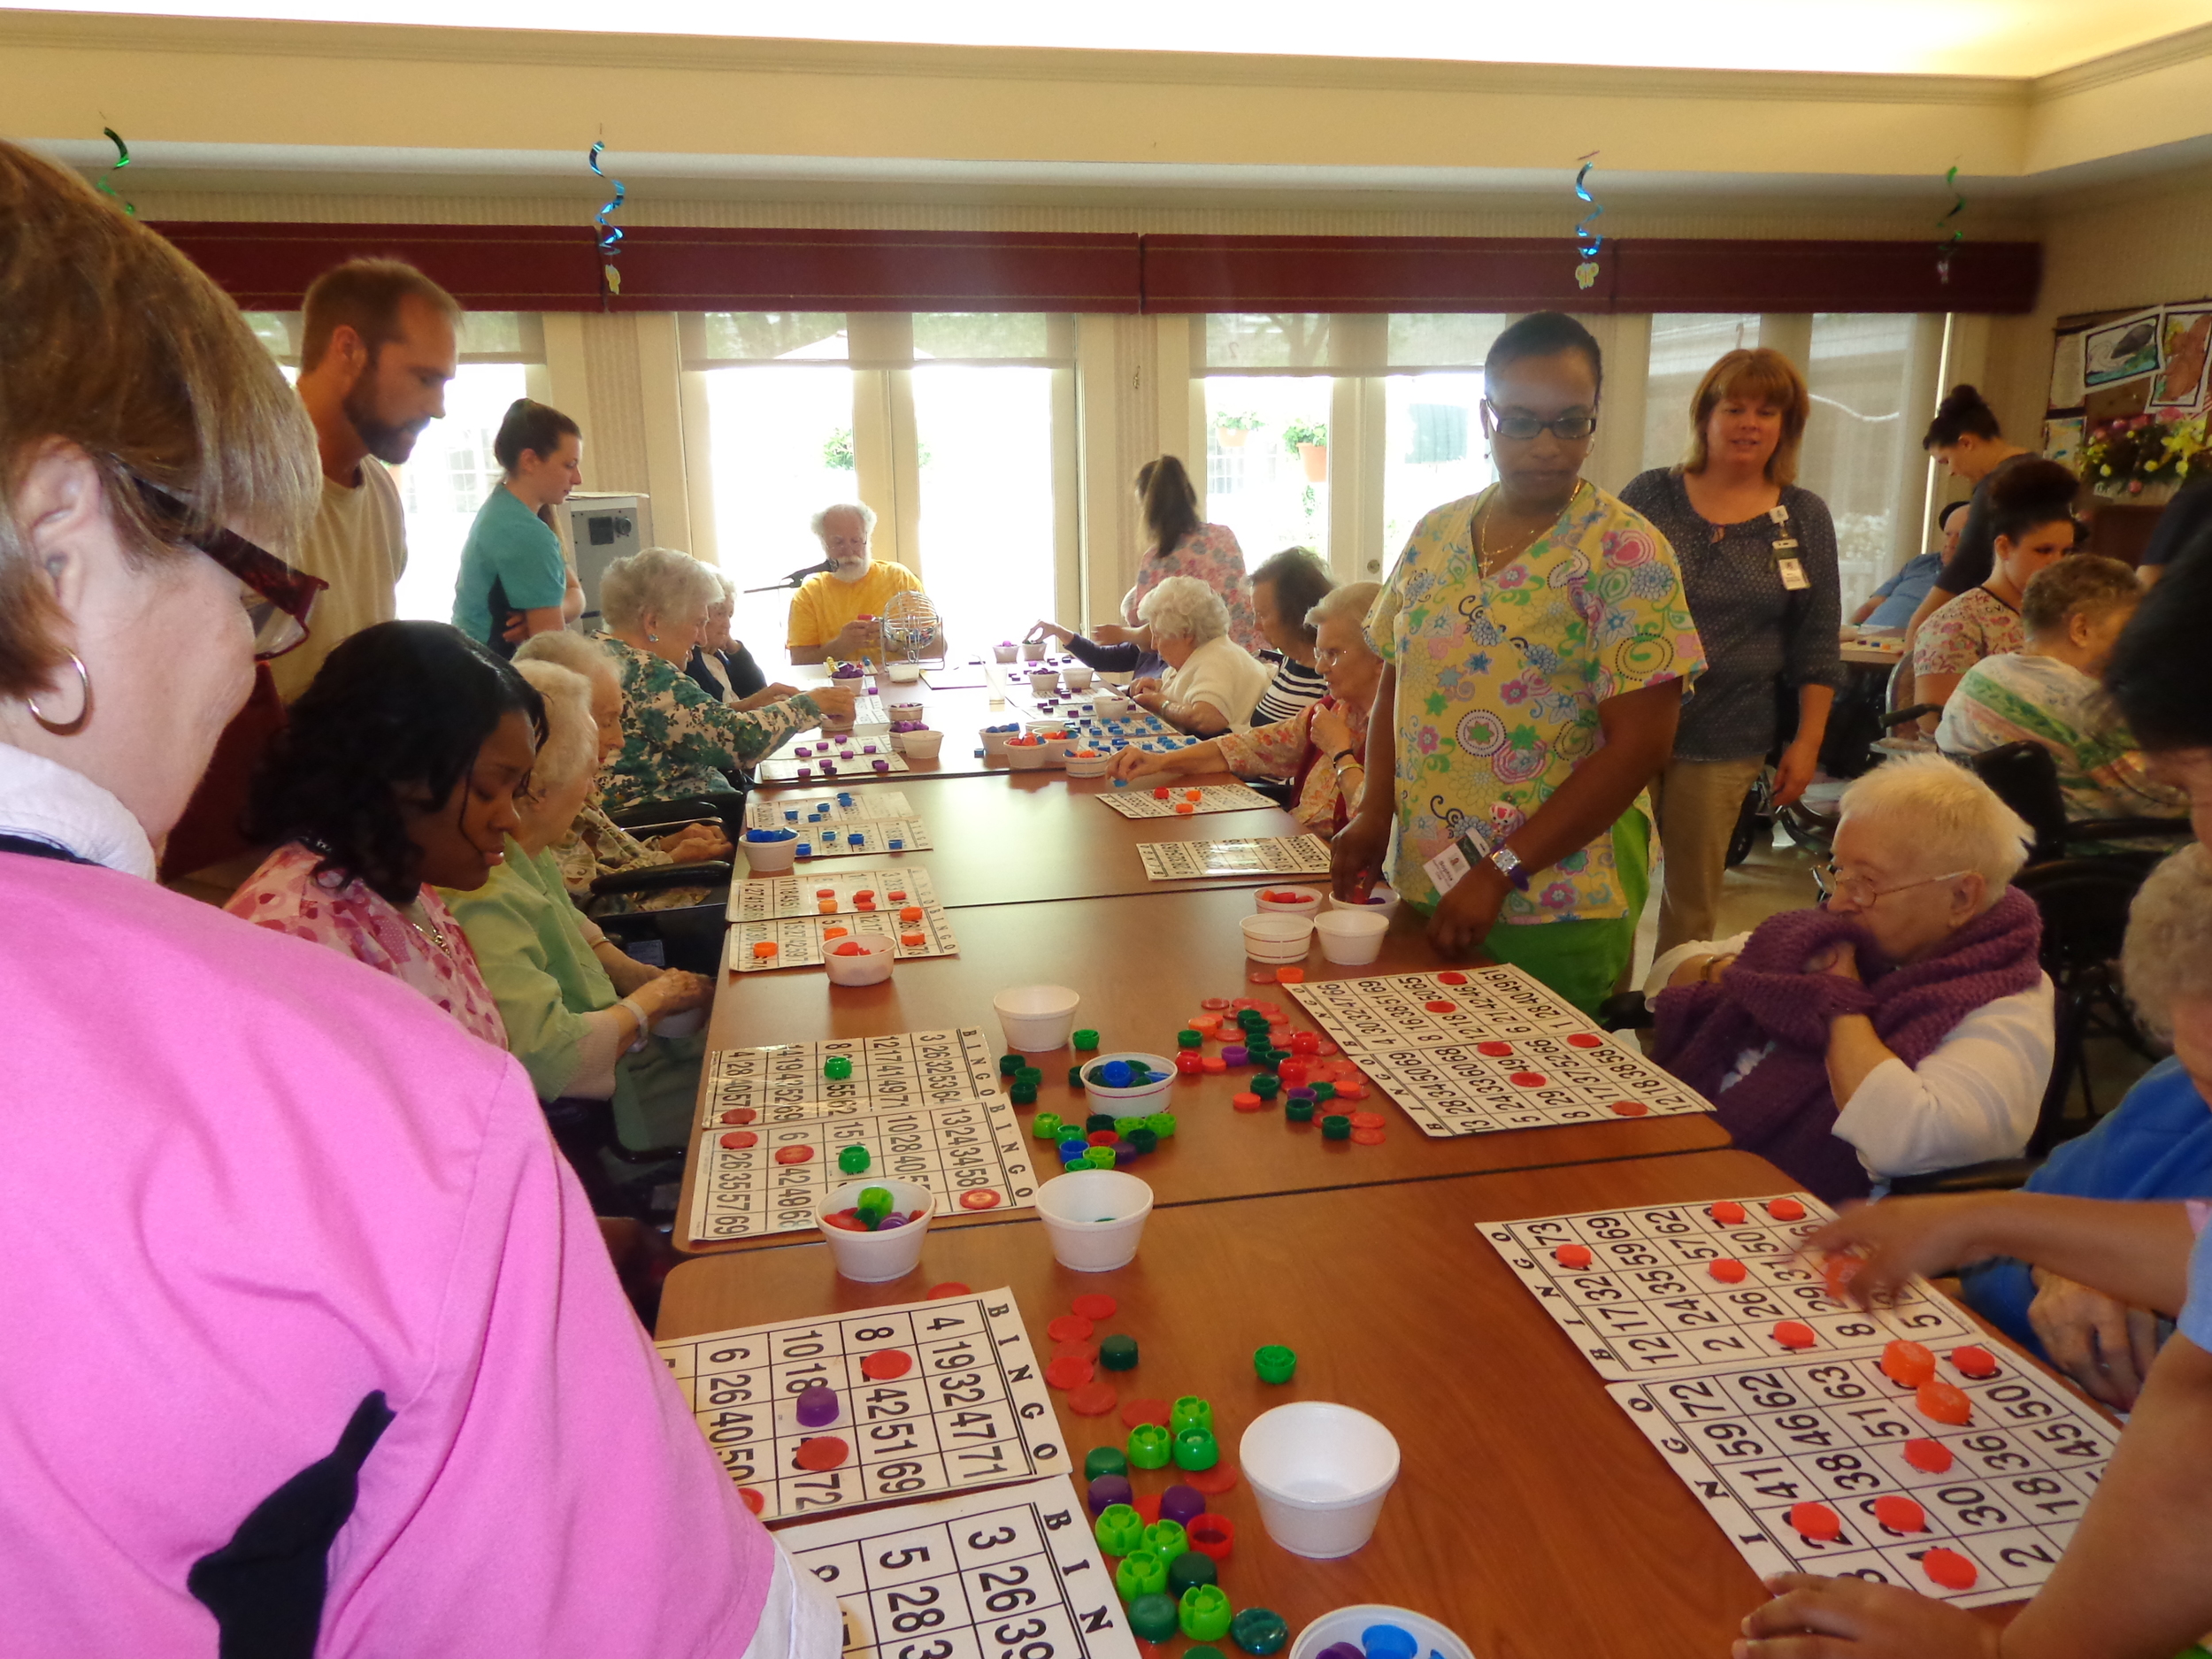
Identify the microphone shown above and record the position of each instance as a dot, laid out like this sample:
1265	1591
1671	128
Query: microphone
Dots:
794	578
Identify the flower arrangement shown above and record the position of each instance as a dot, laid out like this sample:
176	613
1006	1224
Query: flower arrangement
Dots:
2125	457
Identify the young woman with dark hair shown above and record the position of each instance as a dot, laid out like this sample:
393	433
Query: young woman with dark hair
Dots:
1964	435
398	773
514	581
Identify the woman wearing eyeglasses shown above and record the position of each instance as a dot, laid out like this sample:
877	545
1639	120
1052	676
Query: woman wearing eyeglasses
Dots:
1758	557
1536	645
330	1219
1904	1025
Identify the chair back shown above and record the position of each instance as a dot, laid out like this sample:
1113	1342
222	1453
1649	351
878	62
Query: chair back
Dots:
2025	778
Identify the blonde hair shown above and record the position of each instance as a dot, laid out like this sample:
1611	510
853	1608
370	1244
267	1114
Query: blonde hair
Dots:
1757	373
1184	608
658	579
571	750
2169	949
1353	600
575	652
1953	820
111	342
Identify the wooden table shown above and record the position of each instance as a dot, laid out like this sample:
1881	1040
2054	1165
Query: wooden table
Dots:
1529	1516
1018	838
1143	966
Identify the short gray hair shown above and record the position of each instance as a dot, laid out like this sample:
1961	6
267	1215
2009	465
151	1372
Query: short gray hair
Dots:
2168	955
867	515
564	648
722	581
1954	819
1184	608
658	579
571	750
1353	600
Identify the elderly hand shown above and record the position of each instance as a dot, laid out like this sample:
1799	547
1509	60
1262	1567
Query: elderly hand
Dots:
776	692
1840	959
858	638
1136	762
1329	730
1114	633
836	702
1042	630
1849	1618
673	991
1900	1238
2100	1342
700	844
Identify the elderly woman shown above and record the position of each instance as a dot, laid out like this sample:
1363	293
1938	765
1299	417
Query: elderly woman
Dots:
1211	681
2046	693
678	742
1904	1027
721	664
320	1201
395	774
595	845
575	1006
1320	748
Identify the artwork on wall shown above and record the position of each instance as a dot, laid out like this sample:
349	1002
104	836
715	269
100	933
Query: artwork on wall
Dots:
2125	350
2185	344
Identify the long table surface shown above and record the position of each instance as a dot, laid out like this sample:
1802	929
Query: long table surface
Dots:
1529	1515
1143	966
1019	837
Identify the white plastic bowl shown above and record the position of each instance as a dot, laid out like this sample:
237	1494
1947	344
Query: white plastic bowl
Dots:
1032	757
1381	900
904	711
1094	1218
923	745
1320	1473
1036	1018
771	858
877	1258
1307	902
1044	681
872	966
1033	650
1274	937
903	673
1005	653
1094	767
1111	708
1078	676
1349	1623
1155	1062
1351	938
994	743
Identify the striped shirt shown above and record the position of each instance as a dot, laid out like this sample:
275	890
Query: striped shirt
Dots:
1292	688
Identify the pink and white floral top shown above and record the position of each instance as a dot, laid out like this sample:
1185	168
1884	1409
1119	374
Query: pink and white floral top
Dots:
1209	553
352	918
1976	625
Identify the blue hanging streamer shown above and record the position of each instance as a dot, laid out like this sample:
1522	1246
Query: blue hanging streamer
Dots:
610	236
122	160
1588	241
1944	249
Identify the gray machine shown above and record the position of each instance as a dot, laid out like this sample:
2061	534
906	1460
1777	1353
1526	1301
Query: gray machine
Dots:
602	529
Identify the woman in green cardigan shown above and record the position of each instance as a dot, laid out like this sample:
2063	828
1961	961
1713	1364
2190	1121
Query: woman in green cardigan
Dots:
578	1012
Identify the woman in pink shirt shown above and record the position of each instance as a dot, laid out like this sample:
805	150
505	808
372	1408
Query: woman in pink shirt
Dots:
312	1344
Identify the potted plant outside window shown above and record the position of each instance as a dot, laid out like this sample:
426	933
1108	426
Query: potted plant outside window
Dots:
1310	443
1232	430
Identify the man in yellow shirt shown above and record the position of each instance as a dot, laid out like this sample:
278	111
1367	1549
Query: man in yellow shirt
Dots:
827	611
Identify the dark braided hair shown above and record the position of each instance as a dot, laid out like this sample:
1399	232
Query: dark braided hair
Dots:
398	705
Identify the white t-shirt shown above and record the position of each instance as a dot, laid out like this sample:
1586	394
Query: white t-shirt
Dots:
1222	673
358	545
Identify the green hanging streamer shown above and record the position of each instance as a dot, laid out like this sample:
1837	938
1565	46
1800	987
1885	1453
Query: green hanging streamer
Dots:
122	160
1944	249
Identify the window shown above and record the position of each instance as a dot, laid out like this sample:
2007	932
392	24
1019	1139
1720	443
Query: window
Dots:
1684	345
1267	429
1433	451
452	469
1858	455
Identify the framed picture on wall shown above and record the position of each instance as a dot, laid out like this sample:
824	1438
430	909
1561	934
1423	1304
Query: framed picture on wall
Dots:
2185	343
2066	388
2125	350
2061	440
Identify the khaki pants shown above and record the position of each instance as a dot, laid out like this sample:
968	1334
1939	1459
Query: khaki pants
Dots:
1698	802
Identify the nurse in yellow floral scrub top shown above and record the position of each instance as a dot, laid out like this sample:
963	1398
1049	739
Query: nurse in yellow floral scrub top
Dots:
1538	646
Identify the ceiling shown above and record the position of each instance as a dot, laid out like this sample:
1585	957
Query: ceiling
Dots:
2020	39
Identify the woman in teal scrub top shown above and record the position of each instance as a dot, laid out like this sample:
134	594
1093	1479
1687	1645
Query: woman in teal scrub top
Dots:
513	580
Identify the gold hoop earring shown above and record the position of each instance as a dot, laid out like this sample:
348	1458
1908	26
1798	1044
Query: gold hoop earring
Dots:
69	728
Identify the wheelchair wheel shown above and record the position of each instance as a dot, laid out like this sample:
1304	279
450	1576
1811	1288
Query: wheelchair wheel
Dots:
1751	823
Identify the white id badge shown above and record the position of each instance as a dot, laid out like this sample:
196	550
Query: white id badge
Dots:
1450	867
1793	574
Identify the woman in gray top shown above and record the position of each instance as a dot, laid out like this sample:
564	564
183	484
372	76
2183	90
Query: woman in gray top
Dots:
1758	557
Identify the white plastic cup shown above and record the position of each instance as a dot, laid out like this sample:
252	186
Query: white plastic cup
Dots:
871	966
1307	900
1078	676
1044	681
1320	1473
1094	1218
904	711
1031	756
1381	902
1036	1018
1273	936
1033	650
923	745
1351	938
995	744
877	1258
903	673
1350	1624
771	858
1005	653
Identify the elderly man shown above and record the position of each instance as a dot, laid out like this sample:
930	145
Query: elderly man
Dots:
837	615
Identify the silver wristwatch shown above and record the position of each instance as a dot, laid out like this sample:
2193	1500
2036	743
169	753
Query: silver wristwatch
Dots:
1510	867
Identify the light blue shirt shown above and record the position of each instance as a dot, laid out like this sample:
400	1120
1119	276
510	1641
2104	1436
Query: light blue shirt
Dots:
510	562
2196	1313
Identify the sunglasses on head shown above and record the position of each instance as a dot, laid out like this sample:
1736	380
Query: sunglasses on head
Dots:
278	598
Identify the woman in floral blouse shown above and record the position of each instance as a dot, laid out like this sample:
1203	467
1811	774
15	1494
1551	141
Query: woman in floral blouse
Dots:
1536	645
1183	544
2032	514
397	773
678	742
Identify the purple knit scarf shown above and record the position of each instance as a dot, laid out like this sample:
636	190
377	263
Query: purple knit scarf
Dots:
1783	1108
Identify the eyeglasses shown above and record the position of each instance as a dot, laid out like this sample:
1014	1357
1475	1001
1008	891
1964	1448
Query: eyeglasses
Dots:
1860	893
1572	428
278	598
1326	658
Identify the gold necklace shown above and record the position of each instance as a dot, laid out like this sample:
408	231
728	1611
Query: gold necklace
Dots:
1493	563
430	935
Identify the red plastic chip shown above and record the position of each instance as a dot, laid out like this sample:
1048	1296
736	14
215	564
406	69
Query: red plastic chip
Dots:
1630	1109
1493	1049
1572	1256
1908	1364
1528	1080
1786	1210
753	1499
979	1198
1069	1328
822	1454
1795	1334
1900	1514
1950	1568
1440	1006
1728	1213
950	1288
1930	1457
1974	1361
1451	976
1145	1410
1940	1401
1068	1371
1213	1482
1368	1137
1093	1399
740	1114
1584	1039
1727	1270
887	1364
1094	1305
738	1140
794	1154
1816	1521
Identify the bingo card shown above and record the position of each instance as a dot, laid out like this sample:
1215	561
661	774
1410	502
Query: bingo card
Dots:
1474	1051
766	1172
932	1397
1014	1572
1138	802
1259	856
1798	1441
870	757
906	1068
803	941
844	892
793	808
873	837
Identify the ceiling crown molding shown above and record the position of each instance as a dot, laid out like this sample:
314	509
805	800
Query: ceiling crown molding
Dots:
2168	52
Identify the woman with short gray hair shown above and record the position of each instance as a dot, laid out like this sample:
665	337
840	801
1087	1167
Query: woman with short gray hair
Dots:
677	741
1211	681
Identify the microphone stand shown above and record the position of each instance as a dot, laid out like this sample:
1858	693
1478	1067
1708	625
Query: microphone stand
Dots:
794	579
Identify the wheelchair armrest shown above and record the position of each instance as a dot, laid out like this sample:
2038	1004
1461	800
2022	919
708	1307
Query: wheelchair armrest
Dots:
2111	829
1996	1176
658	877
1913	712
1628	1010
